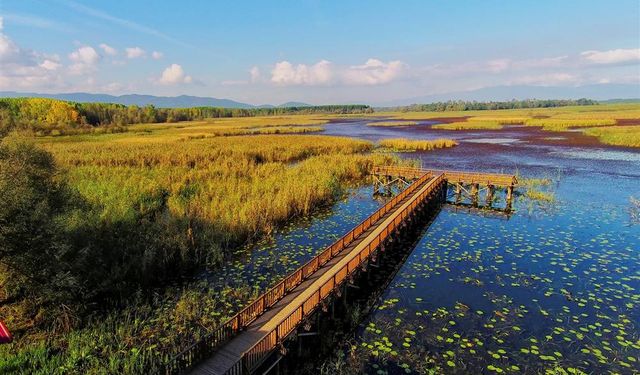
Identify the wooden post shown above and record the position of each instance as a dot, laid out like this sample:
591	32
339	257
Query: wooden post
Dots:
509	197
490	190
474	194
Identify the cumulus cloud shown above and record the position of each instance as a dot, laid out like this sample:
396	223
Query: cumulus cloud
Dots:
374	72
156	55
84	60
173	75
614	56
24	68
108	49
134	52
285	73
50	64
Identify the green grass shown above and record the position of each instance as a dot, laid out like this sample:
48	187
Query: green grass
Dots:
407	145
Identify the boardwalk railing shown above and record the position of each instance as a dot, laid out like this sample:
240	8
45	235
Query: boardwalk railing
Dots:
254	357
217	338
495	179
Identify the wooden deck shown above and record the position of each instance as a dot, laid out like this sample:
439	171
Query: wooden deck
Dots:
244	342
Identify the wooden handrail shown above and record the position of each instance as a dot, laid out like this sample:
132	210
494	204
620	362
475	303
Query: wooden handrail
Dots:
253	357
497	179
215	339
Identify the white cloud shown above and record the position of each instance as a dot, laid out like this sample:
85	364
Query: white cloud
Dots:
549	79
84	60
156	55
50	64
374	72
25	69
108	49
134	52
614	56
285	73
174	74
255	74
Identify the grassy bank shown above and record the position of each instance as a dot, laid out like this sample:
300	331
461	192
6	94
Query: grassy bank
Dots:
156	203
469	125
628	136
403	144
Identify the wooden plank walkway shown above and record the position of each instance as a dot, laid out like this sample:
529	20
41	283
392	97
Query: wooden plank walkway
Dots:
495	179
229	358
244	342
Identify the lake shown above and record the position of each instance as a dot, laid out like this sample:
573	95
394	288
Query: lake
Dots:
556	285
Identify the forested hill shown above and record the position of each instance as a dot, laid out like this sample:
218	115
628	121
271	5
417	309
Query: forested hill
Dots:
44	116
461	105
182	101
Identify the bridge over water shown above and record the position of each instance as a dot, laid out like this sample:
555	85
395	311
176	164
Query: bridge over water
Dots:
243	343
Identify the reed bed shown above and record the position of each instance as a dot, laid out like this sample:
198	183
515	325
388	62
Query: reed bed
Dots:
407	145
554	124
392	123
162	199
499	120
469	125
628	136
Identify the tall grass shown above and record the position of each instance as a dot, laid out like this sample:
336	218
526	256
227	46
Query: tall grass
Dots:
469	125
404	144
500	120
554	124
628	136
176	198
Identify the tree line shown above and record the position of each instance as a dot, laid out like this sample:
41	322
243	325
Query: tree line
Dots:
460	105
44	116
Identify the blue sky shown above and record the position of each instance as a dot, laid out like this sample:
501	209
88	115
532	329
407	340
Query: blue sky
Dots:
314	51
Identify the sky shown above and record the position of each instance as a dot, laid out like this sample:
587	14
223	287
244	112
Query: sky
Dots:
314	51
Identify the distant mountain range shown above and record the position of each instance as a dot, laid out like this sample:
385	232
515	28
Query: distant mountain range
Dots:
182	101
605	91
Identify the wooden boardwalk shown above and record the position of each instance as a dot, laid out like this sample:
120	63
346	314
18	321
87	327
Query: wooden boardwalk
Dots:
242	344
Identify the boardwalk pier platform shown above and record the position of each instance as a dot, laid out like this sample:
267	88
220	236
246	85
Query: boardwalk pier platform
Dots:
243	343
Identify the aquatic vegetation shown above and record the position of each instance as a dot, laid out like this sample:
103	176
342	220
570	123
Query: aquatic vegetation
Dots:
532	182
554	124
628	136
392	123
555	294
500	120
404	144
539	195
469	125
